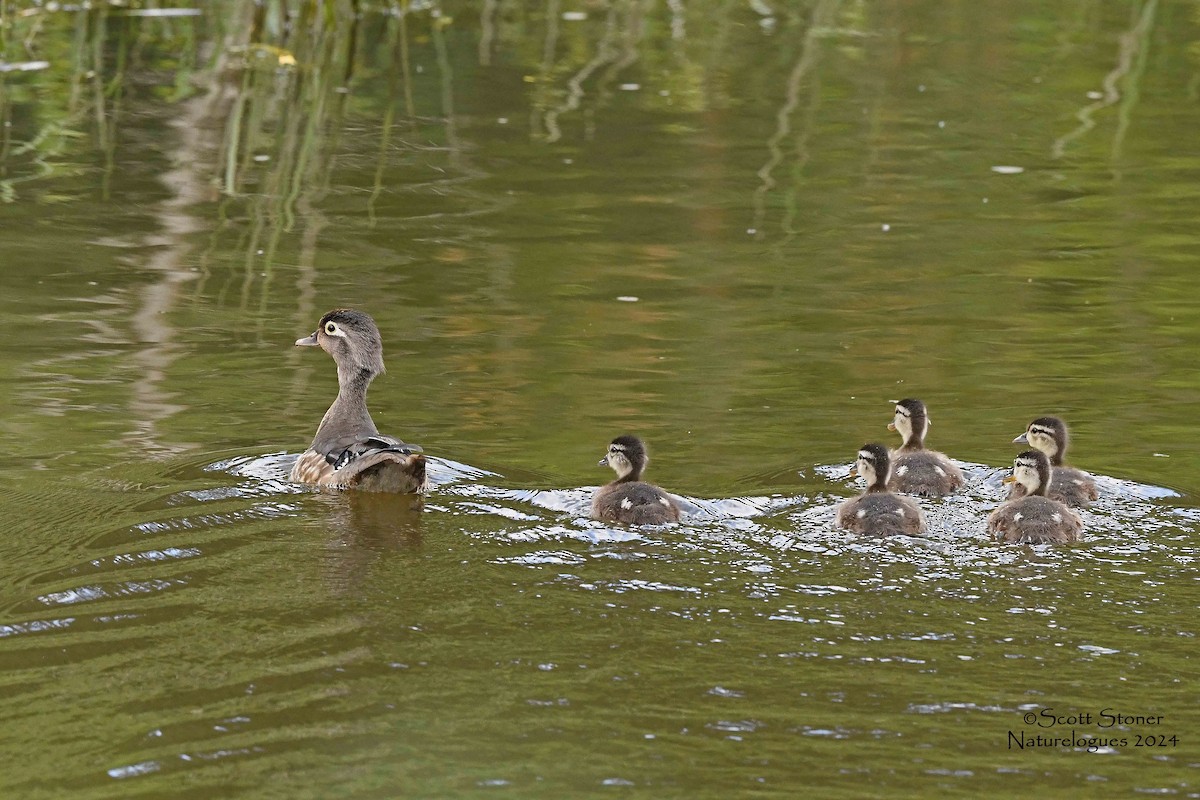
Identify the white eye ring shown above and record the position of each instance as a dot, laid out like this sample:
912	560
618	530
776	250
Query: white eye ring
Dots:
331	328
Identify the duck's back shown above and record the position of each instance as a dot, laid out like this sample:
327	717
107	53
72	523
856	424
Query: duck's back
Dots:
881	514
924	472
634	503
1035	520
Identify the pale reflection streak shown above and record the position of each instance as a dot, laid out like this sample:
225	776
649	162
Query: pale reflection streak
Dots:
1132	44
487	32
809	56
197	128
389	115
549	46
678	20
606	53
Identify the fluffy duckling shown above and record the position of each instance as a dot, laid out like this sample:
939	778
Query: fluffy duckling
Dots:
878	512
348	450
915	469
628	499
1067	484
1034	518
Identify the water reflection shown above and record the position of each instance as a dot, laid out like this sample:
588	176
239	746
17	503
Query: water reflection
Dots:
496	182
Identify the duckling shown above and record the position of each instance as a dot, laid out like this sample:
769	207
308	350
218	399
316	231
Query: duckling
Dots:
348	451
1034	518
1067	484
628	499
915	469
878	512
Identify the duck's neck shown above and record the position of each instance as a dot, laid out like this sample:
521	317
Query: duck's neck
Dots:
878	482
915	441
349	414
1042	487
1056	458
633	476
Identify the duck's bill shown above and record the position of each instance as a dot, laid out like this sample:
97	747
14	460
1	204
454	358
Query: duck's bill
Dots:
891	425
1009	479
308	341
1022	439
603	462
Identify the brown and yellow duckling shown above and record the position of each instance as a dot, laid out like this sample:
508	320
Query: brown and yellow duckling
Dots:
628	499
878	512
915	469
348	450
1034	518
1067	484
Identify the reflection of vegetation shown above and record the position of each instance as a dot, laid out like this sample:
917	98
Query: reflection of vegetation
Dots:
275	141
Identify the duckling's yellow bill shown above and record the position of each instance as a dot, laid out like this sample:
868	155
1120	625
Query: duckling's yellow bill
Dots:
891	425
308	341
1009	479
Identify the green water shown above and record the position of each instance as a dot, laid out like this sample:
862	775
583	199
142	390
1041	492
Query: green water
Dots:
736	229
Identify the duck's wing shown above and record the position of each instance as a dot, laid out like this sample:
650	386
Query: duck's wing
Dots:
375	462
348	449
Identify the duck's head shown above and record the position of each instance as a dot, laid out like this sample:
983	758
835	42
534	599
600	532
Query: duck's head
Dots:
353	340
1031	469
873	465
911	421
1048	434
627	456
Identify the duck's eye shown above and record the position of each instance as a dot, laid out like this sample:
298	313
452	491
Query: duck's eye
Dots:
331	328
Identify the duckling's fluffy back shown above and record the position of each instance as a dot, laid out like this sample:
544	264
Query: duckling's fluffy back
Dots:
1035	520
880	514
924	472
634	503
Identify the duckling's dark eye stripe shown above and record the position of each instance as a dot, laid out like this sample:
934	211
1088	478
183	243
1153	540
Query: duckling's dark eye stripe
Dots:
1026	463
902	411
1042	431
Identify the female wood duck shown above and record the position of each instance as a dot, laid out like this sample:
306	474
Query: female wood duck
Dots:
915	469
1067	484
878	512
348	450
628	499
1034	518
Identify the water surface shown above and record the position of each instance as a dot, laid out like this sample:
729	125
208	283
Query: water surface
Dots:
737	230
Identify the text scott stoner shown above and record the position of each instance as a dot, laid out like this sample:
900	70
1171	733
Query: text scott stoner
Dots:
1107	718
